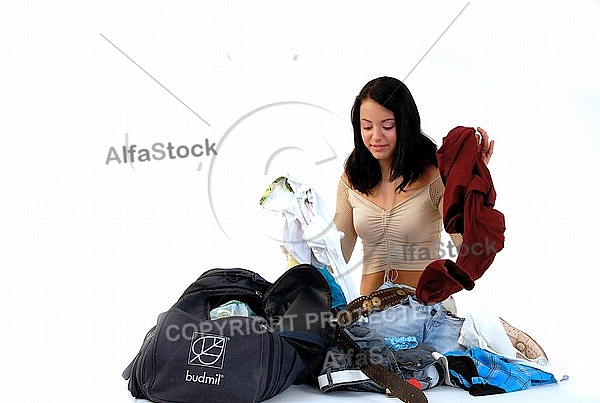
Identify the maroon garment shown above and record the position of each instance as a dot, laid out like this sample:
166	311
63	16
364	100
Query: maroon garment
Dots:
468	209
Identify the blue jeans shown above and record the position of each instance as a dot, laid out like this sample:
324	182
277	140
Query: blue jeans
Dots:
340	373
432	325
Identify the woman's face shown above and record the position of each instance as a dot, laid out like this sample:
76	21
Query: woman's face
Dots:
378	129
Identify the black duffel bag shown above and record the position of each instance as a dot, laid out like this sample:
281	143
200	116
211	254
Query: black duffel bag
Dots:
187	357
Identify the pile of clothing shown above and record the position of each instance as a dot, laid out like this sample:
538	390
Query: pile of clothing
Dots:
432	346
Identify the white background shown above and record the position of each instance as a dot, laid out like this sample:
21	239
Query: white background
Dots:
90	253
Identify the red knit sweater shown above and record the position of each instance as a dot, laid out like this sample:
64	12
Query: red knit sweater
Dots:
468	209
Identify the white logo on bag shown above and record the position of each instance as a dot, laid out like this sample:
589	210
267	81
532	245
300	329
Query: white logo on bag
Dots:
204	378
207	350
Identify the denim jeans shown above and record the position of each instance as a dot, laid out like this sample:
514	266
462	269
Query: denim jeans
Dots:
431	325
434	327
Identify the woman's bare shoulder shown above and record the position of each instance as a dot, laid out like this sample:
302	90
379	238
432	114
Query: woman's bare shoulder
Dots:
429	175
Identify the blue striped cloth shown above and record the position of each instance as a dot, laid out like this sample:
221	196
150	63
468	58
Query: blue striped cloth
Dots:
496	370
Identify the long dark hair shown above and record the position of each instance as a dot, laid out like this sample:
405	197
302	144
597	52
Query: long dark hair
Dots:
413	149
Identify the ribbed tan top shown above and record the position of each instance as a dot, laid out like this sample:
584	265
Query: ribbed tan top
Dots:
404	237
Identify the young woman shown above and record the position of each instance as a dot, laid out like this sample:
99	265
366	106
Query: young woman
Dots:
390	194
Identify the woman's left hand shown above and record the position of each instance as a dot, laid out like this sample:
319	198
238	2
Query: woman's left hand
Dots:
486	146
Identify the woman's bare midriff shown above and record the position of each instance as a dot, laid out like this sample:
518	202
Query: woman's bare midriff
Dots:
407	277
371	282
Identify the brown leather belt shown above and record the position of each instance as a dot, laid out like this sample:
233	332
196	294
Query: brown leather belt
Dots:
364	306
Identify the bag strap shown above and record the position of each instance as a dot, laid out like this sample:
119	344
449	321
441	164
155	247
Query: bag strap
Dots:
364	306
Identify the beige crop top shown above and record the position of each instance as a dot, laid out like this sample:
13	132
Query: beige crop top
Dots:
404	237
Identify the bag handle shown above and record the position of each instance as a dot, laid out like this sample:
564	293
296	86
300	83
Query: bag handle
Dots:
364	306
